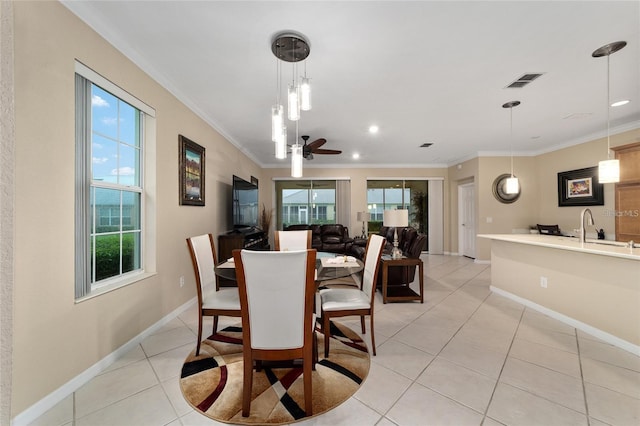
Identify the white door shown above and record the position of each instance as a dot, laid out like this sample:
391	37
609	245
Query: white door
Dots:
466	220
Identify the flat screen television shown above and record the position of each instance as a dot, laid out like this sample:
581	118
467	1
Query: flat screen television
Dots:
244	205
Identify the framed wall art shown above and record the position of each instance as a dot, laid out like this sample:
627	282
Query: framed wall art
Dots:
580	188
191	172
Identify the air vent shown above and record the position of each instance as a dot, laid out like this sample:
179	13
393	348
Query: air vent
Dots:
524	80
426	145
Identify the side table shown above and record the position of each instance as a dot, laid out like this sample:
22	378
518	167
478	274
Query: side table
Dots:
403	292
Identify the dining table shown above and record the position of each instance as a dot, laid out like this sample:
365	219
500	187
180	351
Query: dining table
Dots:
329	266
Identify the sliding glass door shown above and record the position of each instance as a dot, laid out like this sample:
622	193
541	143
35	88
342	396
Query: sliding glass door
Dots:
398	194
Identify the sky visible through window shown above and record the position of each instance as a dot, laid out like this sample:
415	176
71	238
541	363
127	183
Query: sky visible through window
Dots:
115	146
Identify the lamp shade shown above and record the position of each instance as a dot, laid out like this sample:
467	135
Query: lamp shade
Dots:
609	171
395	218
363	217
296	161
512	186
281	144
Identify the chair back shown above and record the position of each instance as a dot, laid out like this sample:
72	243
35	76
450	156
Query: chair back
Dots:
372	259
203	257
292	240
277	290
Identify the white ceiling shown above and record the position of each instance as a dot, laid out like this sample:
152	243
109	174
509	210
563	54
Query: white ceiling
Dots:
423	71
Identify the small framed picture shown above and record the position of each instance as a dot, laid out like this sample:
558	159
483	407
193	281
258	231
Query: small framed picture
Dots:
580	188
191	172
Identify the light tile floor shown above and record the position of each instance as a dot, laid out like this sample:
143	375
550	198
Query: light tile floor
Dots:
464	357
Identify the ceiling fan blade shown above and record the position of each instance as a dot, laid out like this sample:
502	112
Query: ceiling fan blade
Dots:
326	151
317	144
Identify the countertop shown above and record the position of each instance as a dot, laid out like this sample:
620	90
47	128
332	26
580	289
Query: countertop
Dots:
599	247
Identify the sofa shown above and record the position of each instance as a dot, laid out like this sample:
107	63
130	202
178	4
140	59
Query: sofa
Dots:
332	237
410	242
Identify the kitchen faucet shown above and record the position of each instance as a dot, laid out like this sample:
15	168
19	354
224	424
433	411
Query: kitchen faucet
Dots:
583	231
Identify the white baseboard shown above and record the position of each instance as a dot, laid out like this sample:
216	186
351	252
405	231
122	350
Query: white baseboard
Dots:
482	262
602	335
49	401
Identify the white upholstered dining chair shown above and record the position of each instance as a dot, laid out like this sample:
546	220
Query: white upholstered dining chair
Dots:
277	291
212	300
292	240
341	302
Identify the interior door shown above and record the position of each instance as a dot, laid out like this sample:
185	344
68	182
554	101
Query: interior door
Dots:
466	220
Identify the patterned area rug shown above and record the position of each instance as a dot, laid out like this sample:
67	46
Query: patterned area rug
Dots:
212	382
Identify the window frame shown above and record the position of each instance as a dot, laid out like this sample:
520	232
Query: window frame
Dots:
84	288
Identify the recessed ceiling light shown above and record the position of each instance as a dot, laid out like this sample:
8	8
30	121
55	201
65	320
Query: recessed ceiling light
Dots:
620	103
373	129
356	156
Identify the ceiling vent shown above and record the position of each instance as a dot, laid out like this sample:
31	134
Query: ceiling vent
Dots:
426	145
524	80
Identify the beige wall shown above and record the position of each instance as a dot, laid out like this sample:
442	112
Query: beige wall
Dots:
572	158
358	178
539	200
56	339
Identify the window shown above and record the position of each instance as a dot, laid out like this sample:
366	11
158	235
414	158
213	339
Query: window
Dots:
397	194
110	192
306	202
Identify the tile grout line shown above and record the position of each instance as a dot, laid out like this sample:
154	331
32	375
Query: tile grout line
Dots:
486	410
584	389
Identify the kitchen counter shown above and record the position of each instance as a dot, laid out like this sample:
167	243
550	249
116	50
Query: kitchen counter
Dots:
600	247
593	286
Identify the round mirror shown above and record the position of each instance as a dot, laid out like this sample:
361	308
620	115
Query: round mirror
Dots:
499	190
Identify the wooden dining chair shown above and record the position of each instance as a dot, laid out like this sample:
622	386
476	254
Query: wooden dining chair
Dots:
292	240
276	297
212	300
341	302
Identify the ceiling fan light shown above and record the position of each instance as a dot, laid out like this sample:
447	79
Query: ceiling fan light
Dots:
281	144
277	121
293	103
609	171
512	186
305	94
296	161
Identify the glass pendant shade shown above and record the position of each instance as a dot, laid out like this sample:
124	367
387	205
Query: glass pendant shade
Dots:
296	161
609	171
281	144
293	103
277	121
305	94
512	185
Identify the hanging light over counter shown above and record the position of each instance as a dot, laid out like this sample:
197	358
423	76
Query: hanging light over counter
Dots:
609	169
512	185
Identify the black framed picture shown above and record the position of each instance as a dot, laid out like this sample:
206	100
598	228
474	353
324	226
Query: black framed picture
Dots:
191	172
580	188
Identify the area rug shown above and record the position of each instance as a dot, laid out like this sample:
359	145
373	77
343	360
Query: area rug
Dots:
212	381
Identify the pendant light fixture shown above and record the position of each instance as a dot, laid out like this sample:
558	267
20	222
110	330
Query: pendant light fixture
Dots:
608	170
296	157
281	144
277	115
512	185
305	91
290	47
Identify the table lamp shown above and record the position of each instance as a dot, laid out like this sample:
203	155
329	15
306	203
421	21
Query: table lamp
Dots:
395	219
363	217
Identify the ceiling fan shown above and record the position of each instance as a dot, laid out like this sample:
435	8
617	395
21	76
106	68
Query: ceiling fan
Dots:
314	148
